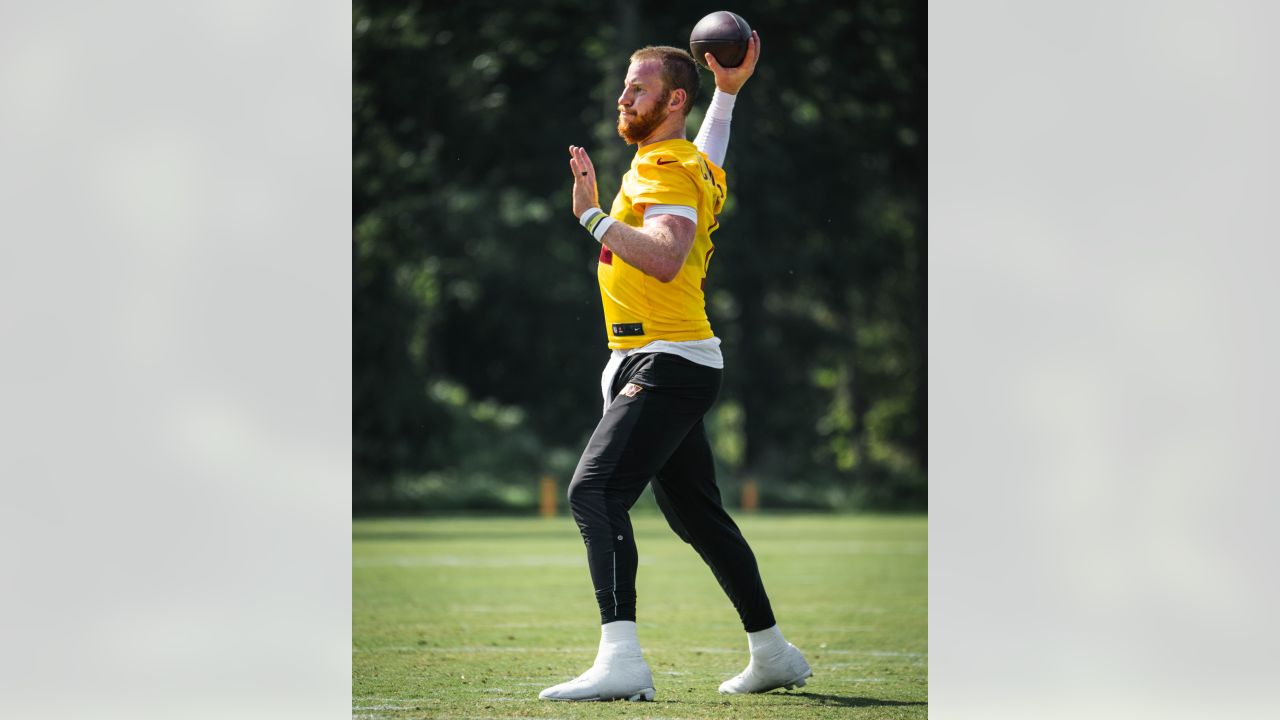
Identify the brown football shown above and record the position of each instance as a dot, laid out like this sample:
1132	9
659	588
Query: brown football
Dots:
724	35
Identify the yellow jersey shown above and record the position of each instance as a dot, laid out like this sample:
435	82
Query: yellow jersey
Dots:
639	309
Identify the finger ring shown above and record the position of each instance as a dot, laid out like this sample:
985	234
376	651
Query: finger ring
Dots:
584	172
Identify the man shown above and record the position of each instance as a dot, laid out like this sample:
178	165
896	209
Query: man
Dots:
663	374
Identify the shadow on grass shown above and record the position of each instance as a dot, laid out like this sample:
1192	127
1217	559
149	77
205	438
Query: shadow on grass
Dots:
847	700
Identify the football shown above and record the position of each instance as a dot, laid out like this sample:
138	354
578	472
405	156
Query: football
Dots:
724	35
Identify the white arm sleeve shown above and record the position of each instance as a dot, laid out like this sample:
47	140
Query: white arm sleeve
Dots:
683	211
713	136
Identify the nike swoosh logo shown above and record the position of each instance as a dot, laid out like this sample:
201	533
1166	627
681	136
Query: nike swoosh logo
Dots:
665	162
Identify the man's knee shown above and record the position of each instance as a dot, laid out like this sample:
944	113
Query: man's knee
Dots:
575	493
680	530
586	494
669	512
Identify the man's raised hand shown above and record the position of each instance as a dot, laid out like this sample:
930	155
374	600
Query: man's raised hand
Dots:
584	181
731	80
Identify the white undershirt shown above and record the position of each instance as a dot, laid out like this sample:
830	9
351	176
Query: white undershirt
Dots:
703	352
712	139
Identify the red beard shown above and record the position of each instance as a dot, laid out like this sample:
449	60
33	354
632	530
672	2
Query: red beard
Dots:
635	129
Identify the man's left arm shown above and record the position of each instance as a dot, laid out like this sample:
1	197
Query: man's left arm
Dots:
658	249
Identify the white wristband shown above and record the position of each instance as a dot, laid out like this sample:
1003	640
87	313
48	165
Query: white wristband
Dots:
596	222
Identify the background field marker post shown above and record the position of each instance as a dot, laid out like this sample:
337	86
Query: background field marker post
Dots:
547	497
750	496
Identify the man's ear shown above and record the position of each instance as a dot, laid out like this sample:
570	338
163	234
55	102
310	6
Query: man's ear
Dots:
679	97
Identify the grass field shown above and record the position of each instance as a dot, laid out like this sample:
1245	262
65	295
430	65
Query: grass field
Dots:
471	617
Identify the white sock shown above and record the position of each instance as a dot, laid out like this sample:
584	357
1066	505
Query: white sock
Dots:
766	643
619	638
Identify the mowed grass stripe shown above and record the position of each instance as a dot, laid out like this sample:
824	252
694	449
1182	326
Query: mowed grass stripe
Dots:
470	617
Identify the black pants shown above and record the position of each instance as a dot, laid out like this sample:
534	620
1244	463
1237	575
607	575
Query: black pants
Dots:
657	432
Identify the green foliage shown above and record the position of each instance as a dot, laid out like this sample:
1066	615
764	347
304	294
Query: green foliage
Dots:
478	337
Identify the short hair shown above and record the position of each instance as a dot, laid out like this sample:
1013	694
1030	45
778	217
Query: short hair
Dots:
678	69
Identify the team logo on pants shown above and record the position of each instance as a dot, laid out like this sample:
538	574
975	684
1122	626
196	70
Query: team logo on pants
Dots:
631	390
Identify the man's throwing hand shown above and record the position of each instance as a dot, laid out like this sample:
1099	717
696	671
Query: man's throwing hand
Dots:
731	80
584	181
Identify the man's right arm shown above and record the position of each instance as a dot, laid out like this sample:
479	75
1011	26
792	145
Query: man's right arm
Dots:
713	136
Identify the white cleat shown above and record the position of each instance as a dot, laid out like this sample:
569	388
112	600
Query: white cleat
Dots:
788	669
618	678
